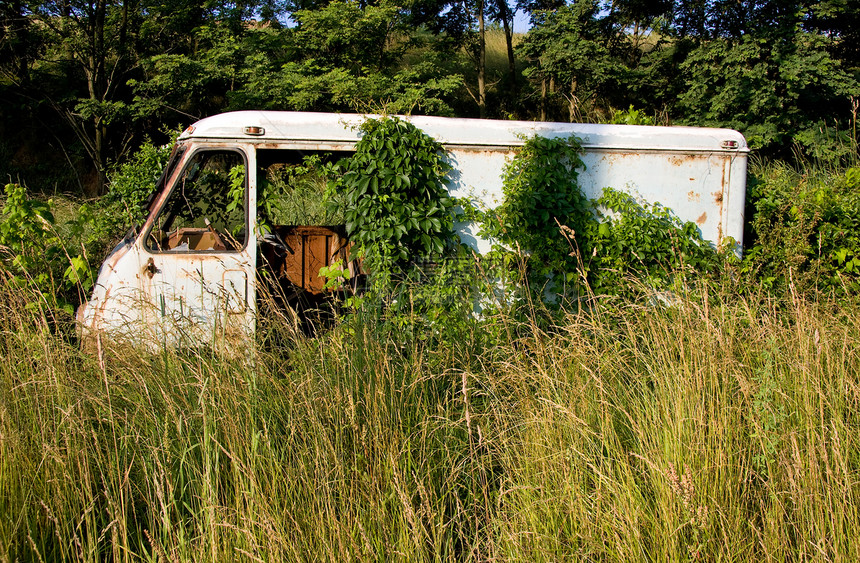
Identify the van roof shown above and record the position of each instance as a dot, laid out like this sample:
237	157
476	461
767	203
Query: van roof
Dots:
343	128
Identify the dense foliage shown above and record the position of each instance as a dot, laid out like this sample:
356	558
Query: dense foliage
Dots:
639	241
88	80
396	205
806	227
573	245
541	195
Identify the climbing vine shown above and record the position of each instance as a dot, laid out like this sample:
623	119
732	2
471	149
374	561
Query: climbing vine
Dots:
541	194
572	243
396	207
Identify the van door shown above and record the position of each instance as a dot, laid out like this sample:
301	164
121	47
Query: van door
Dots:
197	262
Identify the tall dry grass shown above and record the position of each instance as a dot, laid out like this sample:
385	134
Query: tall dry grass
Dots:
723	428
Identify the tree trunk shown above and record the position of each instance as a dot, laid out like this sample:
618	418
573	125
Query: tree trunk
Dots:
65	12
543	99
97	84
550	97
123	28
634	52
507	24
572	102
482	62
99	159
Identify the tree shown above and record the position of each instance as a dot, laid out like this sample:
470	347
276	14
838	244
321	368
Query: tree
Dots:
634	19
566	46
772	84
347	57
762	68
89	50
89	38
501	11
338	57
462	24
839	20
19	42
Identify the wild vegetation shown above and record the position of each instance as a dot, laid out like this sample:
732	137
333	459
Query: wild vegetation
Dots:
670	410
683	405
723	427
84	82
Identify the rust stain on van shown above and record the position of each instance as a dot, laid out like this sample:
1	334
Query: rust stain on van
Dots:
683	160
718	197
702	218
693	196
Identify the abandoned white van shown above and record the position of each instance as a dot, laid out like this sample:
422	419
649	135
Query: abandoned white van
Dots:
189	273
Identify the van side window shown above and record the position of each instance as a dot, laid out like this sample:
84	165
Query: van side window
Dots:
206	209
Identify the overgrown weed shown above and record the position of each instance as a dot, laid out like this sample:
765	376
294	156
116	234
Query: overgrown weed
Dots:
804	228
722	426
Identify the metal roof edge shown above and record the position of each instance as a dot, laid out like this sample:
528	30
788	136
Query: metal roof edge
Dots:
343	128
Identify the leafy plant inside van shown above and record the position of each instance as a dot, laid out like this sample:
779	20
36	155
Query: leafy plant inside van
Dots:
295	194
392	190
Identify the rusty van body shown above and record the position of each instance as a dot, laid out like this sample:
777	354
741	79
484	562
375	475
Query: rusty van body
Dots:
189	273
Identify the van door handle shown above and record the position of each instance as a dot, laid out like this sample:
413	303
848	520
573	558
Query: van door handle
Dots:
150	269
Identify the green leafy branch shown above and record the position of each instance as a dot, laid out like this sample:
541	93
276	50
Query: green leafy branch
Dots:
397	208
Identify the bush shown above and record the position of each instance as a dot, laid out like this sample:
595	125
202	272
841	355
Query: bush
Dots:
643	241
59	259
806	229
576	245
33	254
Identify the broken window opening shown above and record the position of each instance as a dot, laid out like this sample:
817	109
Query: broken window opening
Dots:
206	209
299	234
